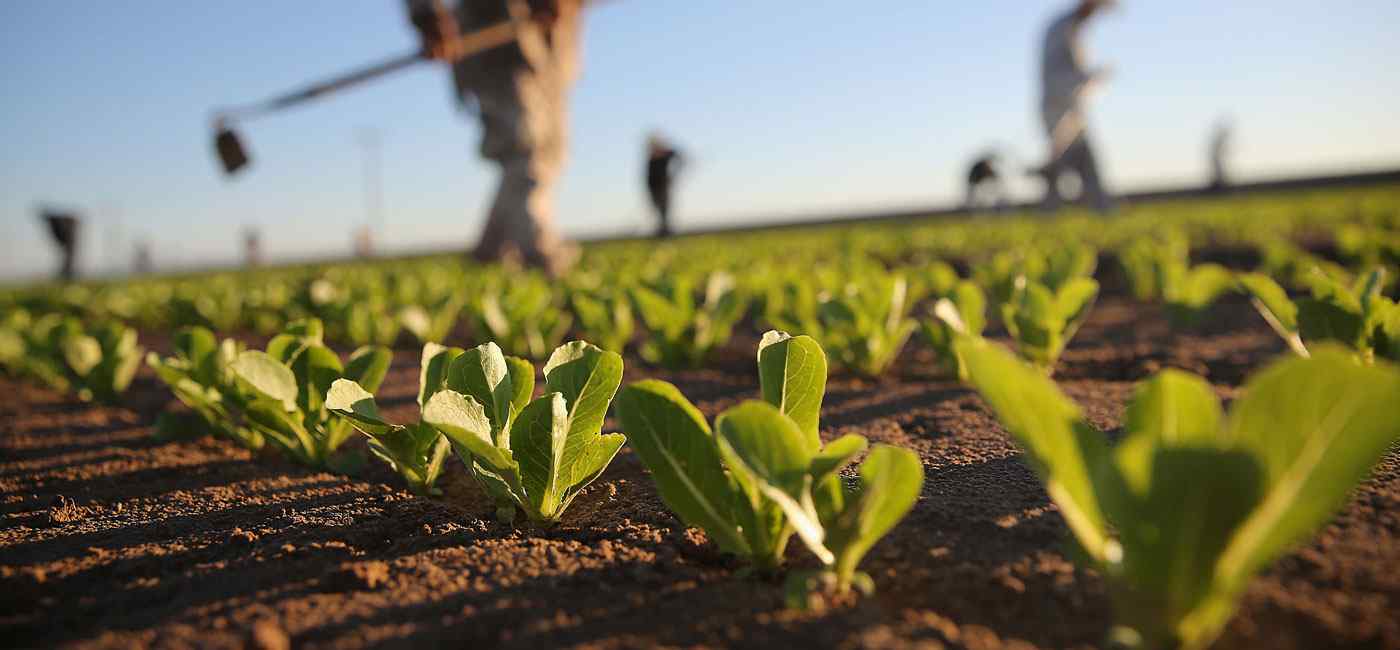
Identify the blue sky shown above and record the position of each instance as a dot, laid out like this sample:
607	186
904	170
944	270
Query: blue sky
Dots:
785	108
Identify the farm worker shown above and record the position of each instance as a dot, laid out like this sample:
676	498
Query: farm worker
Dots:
663	163
64	228
1219	151
1065	81
520	91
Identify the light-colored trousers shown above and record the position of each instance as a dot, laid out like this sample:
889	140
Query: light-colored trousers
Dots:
521	93
1076	154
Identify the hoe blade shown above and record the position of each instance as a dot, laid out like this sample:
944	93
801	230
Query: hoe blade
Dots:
230	149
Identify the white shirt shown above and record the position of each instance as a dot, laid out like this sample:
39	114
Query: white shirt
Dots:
1063	71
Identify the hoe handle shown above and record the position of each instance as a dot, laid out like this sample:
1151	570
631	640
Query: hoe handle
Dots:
468	45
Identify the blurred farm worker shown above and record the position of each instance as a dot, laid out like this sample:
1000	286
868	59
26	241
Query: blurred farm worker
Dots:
663	164
1065	82
520	91
984	187
1219	151
64	228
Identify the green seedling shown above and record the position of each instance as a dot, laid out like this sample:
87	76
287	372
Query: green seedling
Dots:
1358	317
1043	321
604	318
416	451
432	321
763	474
199	376
524	317
867	323
963	310
1191	504
96	364
284	392
682	332
533	455
1188	291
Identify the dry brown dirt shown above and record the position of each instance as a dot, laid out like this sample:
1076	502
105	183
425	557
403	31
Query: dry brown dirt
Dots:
110	538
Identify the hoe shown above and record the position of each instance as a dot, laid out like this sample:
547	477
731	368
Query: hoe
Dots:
229	146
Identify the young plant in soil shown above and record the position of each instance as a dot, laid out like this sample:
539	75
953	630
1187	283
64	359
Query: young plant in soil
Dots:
603	317
867	323
681	332
60	352
532	455
284	392
964	309
1358	316
1188	291
1192	503
199	376
1042	320
763	473
416	451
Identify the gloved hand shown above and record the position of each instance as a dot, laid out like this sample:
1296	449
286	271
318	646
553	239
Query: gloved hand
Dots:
437	28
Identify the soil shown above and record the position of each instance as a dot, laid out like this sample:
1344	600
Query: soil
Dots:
111	538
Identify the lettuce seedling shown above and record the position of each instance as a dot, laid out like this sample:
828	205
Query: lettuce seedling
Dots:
1188	291
532	455
604	318
1191	504
1146	261
1358	316
963	310
58	350
524	317
681	331
199	376
416	451
763	473
867	323
283	391
432	321
1043	321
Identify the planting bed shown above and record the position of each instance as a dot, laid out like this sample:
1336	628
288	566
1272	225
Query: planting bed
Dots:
112	538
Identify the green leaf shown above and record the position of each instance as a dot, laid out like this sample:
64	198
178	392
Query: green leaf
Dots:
582	469
522	382
587	377
315	368
890	481
1272	302
482	373
368	365
432	370
465	422
674	442
267	376
1318	426
537	439
758	442
792	376
1061	447
82	353
836	455
1178	520
198	346
349	399
1327	320
1175	409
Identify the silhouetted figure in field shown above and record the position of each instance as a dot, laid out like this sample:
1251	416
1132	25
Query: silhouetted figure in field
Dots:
64	228
252	247
141	262
1065	82
1219	151
520	91
663	164
984	186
